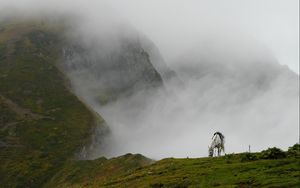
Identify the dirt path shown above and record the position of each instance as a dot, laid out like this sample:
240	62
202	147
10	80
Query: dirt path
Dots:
22	112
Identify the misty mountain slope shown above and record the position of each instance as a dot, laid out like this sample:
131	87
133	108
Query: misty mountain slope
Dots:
108	68
242	81
105	69
157	60
42	124
239	90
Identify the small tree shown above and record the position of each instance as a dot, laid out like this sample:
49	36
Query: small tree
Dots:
245	157
294	151
272	153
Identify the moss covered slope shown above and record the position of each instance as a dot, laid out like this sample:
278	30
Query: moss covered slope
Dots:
42	124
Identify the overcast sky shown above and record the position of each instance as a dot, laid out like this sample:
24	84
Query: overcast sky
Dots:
176	25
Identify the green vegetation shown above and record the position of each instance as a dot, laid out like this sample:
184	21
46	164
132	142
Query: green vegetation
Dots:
294	151
272	153
42	124
87	173
227	171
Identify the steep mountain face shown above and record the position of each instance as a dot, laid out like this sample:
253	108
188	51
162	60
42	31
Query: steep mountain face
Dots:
158	61
108	69
42	123
104	75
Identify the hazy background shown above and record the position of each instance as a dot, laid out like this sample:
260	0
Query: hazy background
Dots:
176	25
227	55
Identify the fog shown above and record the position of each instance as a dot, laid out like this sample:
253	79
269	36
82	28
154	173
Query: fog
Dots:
252	102
226	57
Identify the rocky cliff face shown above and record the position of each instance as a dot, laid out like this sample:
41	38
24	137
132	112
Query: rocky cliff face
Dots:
111	69
106	75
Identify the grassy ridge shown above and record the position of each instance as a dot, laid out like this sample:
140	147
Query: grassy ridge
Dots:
42	124
226	171
87	173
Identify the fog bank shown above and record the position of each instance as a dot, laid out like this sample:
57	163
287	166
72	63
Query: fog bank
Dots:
252	102
226	74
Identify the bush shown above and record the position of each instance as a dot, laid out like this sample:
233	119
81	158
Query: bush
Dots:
294	151
272	153
248	157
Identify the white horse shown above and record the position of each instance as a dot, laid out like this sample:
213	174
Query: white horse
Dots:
217	144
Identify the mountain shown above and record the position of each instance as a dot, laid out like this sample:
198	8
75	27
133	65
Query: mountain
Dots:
54	79
103	72
44	123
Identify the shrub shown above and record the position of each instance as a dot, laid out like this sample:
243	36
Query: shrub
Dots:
272	153
294	151
248	157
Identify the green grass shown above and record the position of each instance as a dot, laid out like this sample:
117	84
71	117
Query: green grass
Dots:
200	172
102	169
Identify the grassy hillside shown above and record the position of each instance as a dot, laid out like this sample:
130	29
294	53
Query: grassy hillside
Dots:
42	124
89	172
234	170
